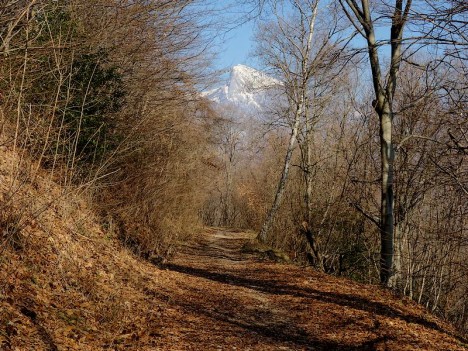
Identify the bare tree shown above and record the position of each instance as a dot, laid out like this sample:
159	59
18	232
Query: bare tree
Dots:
305	58
361	16
288	50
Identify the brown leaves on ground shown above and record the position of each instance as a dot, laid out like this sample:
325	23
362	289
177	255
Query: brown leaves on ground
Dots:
226	300
70	286
212	297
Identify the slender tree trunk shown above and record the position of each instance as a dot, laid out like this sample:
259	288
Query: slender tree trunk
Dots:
308	170
282	182
227	206
387	199
307	228
400	256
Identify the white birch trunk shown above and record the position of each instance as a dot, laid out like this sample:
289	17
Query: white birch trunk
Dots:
262	236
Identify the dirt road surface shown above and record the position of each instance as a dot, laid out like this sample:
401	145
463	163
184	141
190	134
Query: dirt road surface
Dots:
219	298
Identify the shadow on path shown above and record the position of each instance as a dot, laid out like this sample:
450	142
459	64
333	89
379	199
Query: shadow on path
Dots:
282	332
271	286
218	258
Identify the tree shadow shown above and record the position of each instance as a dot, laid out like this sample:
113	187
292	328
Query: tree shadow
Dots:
266	324
43	333
230	252
274	287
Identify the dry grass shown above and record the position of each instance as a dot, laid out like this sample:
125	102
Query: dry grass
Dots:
63	281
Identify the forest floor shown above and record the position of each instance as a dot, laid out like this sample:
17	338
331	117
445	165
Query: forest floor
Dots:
211	296
68	283
224	299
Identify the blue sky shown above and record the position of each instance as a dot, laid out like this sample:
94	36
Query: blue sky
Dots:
237	46
238	42
236	21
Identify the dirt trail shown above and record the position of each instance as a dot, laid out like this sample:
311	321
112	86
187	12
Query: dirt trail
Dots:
219	298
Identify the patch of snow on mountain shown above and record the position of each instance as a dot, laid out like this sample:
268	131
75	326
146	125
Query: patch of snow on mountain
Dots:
247	88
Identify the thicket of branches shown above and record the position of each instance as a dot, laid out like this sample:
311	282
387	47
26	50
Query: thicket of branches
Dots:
102	94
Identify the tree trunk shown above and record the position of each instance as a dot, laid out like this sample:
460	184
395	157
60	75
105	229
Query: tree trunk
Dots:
307	227
387	197
227	217
317	259
308	170
282	182
399	256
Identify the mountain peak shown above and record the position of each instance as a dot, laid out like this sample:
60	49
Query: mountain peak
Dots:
246	88
243	69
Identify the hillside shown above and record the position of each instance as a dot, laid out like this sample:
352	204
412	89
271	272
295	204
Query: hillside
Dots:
68	284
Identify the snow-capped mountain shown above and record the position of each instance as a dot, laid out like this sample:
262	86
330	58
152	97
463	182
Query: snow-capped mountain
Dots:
247	88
